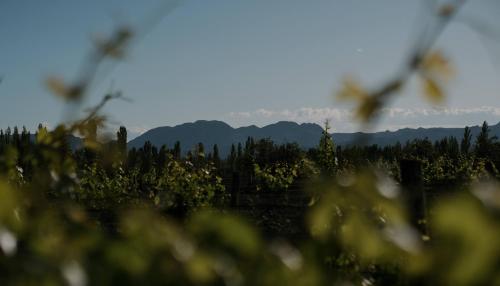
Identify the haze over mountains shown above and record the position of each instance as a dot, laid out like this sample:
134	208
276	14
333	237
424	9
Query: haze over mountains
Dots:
307	135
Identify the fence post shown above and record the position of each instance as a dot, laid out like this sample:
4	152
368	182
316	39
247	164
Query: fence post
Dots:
413	193
235	188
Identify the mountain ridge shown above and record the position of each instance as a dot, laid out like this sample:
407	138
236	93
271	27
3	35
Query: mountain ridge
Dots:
307	135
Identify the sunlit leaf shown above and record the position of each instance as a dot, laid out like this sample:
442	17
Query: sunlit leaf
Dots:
60	89
437	65
114	47
367	108
432	90
446	10
200	269
352	90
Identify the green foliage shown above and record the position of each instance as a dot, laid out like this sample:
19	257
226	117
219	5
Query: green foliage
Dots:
278	177
183	188
484	142
443	171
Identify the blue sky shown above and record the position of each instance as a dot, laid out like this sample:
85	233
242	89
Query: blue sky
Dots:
244	62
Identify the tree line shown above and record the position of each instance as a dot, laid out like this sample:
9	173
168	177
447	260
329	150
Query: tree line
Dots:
260	162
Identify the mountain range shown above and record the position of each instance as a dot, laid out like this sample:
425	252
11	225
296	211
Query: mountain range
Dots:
307	135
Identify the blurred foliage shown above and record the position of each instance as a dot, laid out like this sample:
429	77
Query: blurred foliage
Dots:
99	216
91	216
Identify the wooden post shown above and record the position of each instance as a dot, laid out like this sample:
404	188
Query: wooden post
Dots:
235	188
413	191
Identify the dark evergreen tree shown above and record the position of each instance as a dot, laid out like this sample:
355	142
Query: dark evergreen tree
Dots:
232	158
8	135
16	138
466	143
484	143
177	150
146	155
154	154
239	157
132	159
216	157
121	142
189	156
25	136
162	157
2	139
199	154
453	148
249	158
263	149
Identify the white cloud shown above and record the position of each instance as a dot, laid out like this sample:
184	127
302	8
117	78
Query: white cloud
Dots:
437	111
391	119
240	114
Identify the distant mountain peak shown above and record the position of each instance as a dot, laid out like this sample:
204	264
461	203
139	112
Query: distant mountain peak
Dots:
211	132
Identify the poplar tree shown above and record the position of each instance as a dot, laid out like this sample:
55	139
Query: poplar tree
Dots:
484	142
121	141
466	141
326	151
216	157
177	150
232	157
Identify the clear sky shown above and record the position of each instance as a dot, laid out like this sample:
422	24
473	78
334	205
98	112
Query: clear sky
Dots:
243	61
